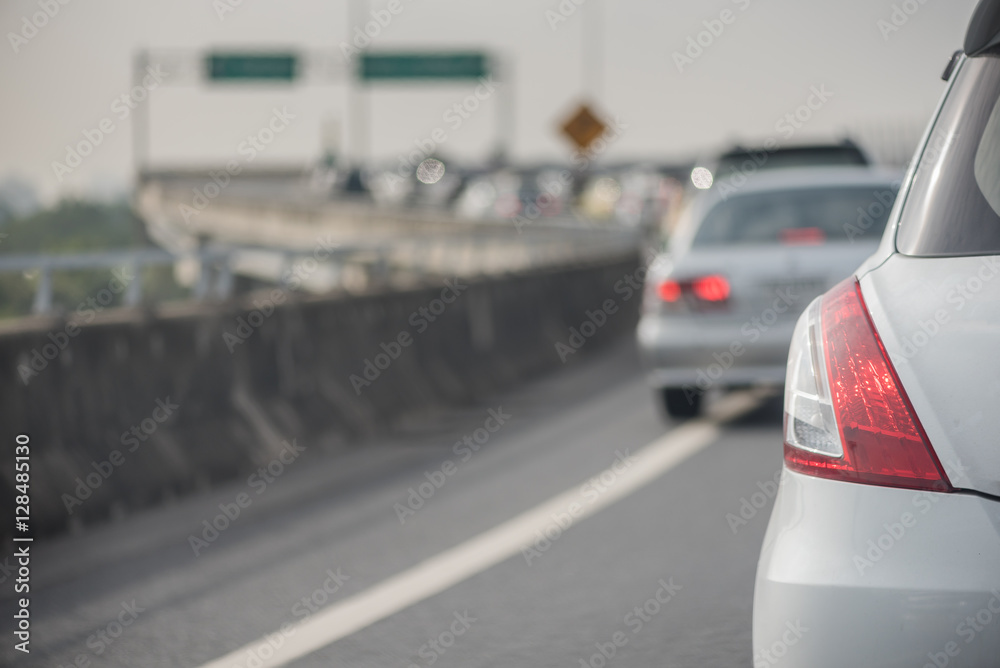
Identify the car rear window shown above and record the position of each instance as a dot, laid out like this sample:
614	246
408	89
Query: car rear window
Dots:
818	156
799	216
953	207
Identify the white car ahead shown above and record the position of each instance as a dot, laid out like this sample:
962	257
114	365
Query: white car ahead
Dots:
720	306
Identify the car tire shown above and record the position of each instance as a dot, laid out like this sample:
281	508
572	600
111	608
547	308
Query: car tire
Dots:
680	404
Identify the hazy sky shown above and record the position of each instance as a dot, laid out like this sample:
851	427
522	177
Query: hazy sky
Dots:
64	79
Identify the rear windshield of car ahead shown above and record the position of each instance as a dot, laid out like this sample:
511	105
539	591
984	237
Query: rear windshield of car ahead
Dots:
814	215
826	156
953	207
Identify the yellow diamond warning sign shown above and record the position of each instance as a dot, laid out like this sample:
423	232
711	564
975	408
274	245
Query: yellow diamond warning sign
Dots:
584	127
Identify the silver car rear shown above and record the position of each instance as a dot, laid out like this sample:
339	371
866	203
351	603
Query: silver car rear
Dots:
720	307
883	548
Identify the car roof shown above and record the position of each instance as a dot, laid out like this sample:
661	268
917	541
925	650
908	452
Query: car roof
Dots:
846	146
796	178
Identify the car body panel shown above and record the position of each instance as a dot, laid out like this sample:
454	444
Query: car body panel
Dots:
878	576
939	319
883	576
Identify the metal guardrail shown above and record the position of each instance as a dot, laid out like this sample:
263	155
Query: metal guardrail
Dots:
478	250
215	276
47	265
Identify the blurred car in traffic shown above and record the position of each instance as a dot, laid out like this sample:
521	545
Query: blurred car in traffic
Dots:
772	156
884	540
536	192
729	170
720	305
631	195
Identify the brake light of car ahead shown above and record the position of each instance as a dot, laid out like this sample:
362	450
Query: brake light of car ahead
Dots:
847	416
713	289
806	236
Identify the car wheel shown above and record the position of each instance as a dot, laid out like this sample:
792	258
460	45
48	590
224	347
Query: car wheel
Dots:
680	404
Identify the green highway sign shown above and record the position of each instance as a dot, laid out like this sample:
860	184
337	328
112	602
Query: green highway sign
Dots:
251	66
409	66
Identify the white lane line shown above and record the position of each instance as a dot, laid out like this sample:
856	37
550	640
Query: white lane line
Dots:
485	550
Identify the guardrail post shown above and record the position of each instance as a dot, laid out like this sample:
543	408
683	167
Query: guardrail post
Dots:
204	284
287	270
224	277
133	294
43	295
382	264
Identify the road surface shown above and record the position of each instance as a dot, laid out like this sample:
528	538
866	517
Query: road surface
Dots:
441	545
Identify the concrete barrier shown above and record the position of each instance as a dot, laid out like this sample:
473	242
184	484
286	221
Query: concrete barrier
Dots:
138	407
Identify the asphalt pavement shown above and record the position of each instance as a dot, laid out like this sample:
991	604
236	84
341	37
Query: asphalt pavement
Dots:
354	542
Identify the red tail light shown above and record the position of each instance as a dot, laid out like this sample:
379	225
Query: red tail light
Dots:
711	288
669	291
803	235
881	438
714	289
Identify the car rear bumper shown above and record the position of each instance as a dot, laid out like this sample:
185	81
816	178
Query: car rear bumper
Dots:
704	354
860	575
